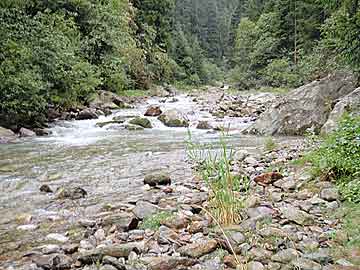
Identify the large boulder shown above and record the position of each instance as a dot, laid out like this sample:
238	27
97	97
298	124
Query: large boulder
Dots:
305	108
24	132
174	118
142	122
6	135
348	104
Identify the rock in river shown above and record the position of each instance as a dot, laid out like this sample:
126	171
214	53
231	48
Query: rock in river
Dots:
174	118
6	135
153	111
142	122
24	132
70	193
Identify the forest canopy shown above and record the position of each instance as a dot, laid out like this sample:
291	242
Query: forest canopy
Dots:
59	52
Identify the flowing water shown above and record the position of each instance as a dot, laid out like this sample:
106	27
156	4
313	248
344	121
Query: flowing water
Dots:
109	163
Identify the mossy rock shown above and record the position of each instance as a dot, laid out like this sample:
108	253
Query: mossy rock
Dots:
133	127
173	118
142	122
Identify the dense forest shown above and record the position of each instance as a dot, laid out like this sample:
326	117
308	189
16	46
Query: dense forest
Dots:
59	52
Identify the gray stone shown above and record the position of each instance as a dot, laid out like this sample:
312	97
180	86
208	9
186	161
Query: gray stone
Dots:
203	125
142	122
145	209
107	260
348	104
52	262
174	118
285	256
260	212
24	132
198	249
255	266
304	108
329	194
6	135
286	184
57	237
298	216
321	256
305	264
87	114
168	262
123	221
108	267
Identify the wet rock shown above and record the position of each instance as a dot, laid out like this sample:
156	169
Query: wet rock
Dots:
145	209
142	122
46	189
255	266
57	237
24	132
204	125
6	135
133	127
305	264
198	249
107	260
304	108
329	194
153	111
285	256
157	179
168	263
42	131
173	118
123	221
72	193
113	122
87	114
298	216
53	262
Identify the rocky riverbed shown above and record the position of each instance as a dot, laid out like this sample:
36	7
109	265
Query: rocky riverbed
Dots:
118	192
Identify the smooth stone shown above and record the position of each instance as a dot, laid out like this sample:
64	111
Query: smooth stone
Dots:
329	194
57	237
198	249
285	256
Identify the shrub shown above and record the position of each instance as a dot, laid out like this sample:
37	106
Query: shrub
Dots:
338	157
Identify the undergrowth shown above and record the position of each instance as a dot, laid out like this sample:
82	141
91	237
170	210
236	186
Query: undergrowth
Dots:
214	166
154	222
337	158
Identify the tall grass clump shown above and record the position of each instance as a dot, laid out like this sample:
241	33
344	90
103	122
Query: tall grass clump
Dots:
213	162
338	158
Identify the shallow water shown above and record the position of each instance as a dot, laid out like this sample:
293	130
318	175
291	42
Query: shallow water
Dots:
109	164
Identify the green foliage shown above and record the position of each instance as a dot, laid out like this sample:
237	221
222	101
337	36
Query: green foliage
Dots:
270	144
214	167
339	156
154	222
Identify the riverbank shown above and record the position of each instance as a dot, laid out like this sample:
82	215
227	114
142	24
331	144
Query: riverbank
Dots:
96	194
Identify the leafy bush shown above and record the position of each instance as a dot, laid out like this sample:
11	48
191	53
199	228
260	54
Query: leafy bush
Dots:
280	73
339	157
